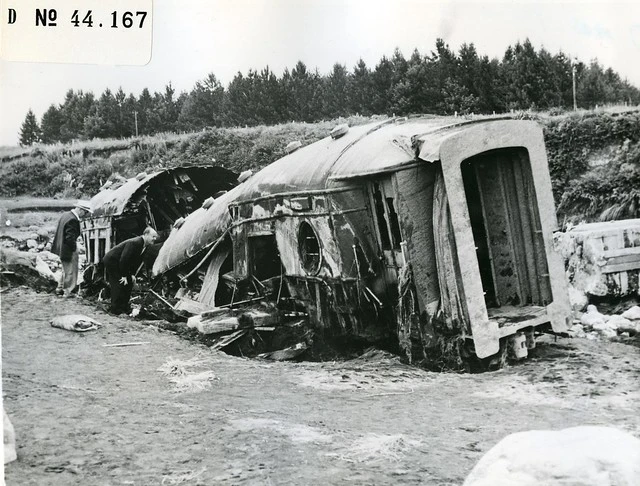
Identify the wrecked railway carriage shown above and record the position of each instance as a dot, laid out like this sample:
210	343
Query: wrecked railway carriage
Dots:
433	233
122	209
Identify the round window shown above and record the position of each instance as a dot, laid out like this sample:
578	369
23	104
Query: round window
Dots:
309	248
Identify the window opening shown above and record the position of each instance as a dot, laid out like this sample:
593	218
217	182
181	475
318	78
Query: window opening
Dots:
264	257
309	248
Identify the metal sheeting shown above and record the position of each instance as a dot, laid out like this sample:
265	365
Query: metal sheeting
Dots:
113	202
363	150
200	229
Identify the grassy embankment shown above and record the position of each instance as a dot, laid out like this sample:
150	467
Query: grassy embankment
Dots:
594	159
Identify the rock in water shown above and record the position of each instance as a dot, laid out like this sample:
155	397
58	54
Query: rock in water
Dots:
585	456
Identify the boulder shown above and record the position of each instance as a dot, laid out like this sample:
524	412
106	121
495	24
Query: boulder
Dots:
586	456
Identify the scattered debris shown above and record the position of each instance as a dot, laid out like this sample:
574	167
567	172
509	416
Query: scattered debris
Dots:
181	373
214	322
289	353
594	325
602	260
376	447
228	339
75	322
118	345
23	268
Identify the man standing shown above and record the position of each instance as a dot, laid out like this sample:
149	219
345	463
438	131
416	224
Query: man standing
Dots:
64	245
121	264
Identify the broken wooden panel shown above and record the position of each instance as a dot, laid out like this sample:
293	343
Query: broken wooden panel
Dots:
186	304
604	258
211	324
228	339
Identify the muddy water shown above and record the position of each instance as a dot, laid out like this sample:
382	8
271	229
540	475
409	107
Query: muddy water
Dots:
172	412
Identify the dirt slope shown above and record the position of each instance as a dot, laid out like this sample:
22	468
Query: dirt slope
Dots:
89	414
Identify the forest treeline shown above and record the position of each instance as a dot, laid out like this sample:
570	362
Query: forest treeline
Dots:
442	82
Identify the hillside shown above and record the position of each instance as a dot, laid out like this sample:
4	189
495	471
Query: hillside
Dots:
594	159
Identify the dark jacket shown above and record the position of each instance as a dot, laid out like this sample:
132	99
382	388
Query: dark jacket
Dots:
64	242
124	259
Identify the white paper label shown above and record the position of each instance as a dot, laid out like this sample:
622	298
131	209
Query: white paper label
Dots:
111	32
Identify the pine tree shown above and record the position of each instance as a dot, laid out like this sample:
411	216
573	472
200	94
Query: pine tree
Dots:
29	131
336	95
50	125
361	89
303	91
203	107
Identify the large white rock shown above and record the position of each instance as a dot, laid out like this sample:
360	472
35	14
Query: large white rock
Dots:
592	317
585	456
632	314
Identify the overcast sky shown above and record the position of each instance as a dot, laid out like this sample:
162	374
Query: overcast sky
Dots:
194	37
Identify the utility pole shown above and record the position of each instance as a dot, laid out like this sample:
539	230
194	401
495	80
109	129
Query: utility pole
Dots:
573	72
135	113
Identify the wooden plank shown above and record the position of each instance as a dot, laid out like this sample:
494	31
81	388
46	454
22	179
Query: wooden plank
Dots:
541	262
623	259
617	252
524	232
213	325
489	284
225	341
498	231
191	306
285	354
621	267
119	345
257	318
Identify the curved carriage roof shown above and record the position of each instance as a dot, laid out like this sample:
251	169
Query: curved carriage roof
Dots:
364	150
115	200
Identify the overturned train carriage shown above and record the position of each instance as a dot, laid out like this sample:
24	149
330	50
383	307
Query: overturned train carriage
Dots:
123	209
424	230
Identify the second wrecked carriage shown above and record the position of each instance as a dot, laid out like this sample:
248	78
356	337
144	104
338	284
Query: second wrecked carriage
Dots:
429	232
